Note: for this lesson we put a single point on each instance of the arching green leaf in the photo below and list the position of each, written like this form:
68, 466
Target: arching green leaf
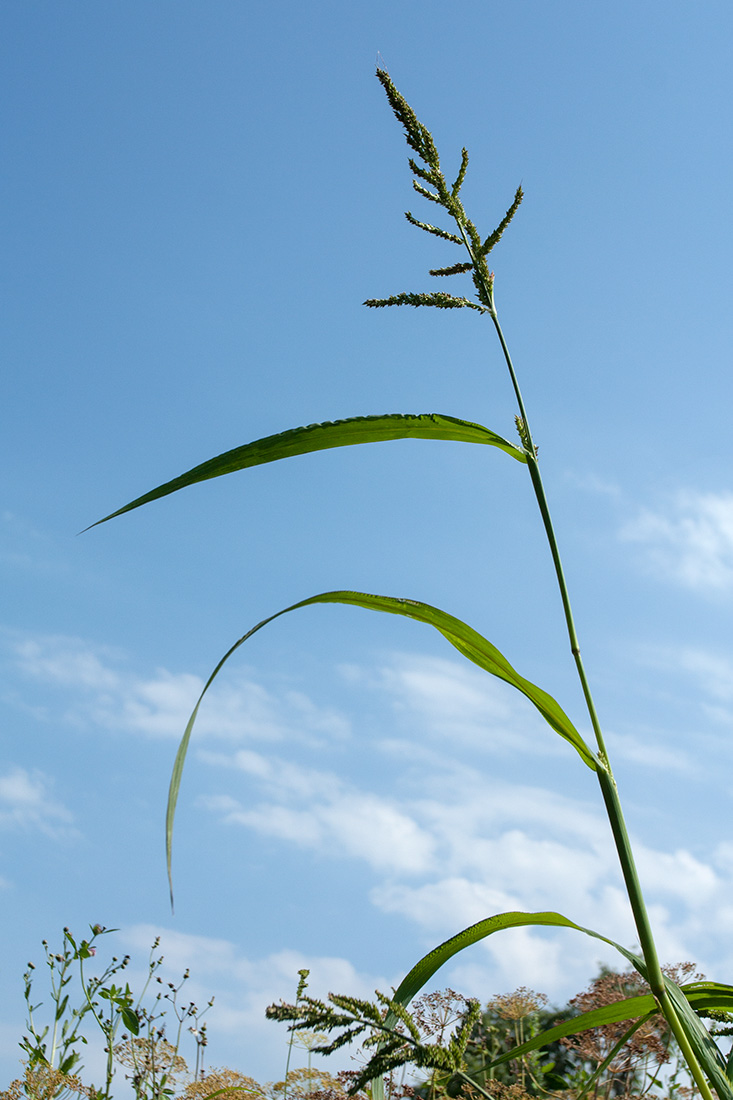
423, 970
628, 1009
321, 437
701, 1041
709, 996
466, 640
699, 995
702, 996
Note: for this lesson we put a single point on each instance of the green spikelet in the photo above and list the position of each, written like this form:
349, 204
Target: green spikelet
434, 229
386, 1029
461, 173
495, 237
440, 301
430, 177
427, 194
457, 269
524, 436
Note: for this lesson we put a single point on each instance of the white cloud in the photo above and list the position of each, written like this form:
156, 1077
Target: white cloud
446, 905
318, 810
26, 802
468, 848
533, 848
591, 483
678, 874
691, 542
712, 675
103, 692
712, 670
652, 754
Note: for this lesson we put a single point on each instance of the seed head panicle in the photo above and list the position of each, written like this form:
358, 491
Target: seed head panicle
431, 184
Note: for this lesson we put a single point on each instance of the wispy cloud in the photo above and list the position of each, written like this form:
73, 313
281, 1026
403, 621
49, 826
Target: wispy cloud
653, 754
691, 541
320, 811
532, 847
467, 848
713, 671
26, 802
100, 691
709, 672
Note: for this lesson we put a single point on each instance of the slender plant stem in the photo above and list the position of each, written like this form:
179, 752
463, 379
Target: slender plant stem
603, 771
302, 986
56, 997
606, 779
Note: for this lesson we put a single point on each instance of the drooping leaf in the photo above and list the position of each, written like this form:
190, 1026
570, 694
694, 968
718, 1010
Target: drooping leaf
424, 970
628, 1009
709, 996
703, 1045
466, 640
321, 437
702, 996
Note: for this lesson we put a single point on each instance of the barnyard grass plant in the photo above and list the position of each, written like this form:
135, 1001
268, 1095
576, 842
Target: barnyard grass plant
680, 1005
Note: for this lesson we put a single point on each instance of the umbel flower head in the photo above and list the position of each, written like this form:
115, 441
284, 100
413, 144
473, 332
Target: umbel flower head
430, 182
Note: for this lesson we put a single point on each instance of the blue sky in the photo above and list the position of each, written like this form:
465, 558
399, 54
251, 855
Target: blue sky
197, 200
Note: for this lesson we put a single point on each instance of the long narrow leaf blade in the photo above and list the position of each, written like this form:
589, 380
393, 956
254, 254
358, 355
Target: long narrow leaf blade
701, 1041
628, 1009
477, 649
466, 640
321, 437
709, 996
702, 996
423, 970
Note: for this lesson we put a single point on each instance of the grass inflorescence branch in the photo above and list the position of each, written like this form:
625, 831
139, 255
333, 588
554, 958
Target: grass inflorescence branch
437, 299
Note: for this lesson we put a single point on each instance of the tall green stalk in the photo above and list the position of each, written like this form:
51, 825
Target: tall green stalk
606, 780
